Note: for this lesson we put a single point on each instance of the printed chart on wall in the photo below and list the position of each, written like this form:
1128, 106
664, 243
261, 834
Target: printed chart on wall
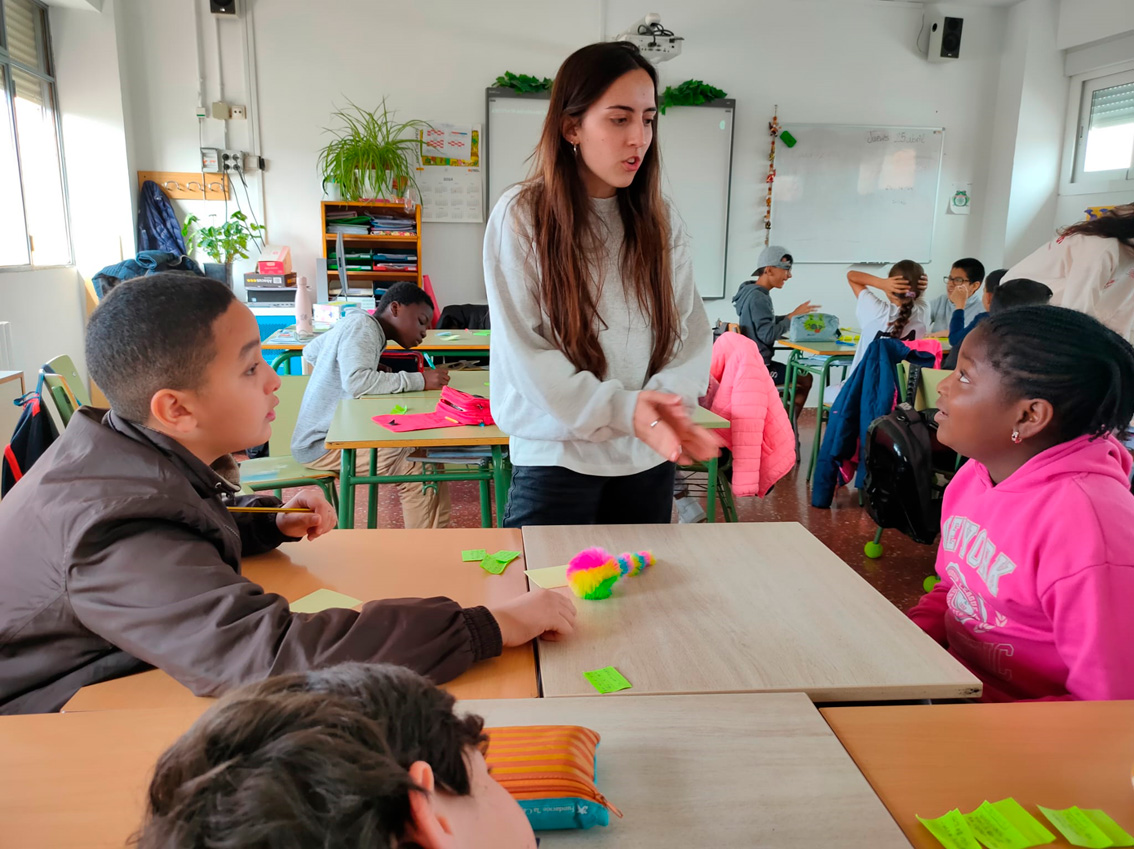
449, 178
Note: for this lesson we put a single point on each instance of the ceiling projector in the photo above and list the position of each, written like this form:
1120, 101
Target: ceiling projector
657, 43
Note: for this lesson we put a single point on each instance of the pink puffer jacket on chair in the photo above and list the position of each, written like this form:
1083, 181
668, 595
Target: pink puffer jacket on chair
761, 438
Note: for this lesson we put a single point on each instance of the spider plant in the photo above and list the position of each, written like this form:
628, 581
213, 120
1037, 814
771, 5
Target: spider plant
371, 154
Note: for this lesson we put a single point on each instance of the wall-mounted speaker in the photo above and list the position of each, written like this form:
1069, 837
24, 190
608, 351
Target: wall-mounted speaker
222, 7
944, 36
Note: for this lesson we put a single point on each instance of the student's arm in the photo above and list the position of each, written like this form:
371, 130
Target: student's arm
929, 613
164, 595
957, 328
1094, 631
590, 409
258, 531
358, 354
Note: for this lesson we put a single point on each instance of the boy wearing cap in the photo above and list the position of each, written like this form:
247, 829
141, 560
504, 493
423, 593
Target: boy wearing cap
758, 319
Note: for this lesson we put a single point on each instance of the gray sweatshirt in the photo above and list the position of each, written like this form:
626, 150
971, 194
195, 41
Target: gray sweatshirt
941, 310
757, 318
345, 363
556, 415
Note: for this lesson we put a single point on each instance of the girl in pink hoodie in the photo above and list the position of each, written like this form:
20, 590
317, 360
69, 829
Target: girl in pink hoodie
1037, 533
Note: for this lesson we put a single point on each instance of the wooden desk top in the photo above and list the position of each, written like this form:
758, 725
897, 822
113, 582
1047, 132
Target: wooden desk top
929, 759
368, 565
6, 376
818, 349
727, 771
460, 340
740, 608
750, 770
352, 425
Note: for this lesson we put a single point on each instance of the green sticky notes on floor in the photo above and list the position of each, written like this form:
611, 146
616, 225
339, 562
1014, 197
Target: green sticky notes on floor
1031, 828
609, 680
321, 600
1109, 827
506, 557
951, 831
787, 138
397, 410
548, 577
1077, 827
995, 830
473, 555
493, 566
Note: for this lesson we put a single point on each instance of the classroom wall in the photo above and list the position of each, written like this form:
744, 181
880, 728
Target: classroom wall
1084, 21
46, 309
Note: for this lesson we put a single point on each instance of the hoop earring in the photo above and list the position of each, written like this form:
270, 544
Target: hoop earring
1016, 437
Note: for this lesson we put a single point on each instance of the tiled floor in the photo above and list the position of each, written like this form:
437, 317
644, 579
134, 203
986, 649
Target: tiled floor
844, 528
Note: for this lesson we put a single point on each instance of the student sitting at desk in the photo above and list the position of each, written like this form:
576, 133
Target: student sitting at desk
119, 550
962, 291
346, 365
354, 756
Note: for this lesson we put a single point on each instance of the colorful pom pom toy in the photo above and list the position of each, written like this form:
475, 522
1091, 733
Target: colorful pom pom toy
592, 573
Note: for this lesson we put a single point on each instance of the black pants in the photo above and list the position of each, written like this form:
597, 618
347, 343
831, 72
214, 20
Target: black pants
552, 495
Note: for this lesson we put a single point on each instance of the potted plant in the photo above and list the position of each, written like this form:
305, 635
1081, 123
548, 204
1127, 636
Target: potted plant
222, 243
372, 156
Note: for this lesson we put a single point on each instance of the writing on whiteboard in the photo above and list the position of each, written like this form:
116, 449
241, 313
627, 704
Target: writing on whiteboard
898, 137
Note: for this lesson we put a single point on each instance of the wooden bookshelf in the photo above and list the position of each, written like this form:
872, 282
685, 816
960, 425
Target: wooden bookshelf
394, 240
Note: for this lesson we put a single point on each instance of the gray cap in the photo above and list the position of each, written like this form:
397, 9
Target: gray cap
775, 256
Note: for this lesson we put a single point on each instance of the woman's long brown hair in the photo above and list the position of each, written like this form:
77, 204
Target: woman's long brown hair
566, 241
1117, 223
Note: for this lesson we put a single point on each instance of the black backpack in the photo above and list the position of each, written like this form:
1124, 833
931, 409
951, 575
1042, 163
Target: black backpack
907, 470
35, 431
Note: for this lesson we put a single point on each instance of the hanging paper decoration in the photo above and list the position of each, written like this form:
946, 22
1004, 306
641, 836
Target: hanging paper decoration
773, 131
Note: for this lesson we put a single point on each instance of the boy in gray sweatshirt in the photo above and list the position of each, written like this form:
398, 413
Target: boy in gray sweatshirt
345, 362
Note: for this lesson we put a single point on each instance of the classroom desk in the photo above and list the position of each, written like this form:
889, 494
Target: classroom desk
352, 429
720, 771
368, 565
748, 607
447, 343
8, 376
739, 770
929, 759
836, 355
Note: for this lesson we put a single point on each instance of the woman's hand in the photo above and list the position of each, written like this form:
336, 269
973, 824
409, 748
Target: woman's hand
311, 525
660, 421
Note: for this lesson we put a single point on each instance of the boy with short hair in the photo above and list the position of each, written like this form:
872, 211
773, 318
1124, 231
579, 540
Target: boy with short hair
998, 296
119, 551
353, 756
345, 363
962, 291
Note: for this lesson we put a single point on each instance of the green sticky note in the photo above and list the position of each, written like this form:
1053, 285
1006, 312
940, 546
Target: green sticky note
951, 831
994, 830
1109, 827
608, 680
482, 333
506, 557
492, 565
787, 138
397, 410
321, 600
1077, 827
473, 555
1032, 829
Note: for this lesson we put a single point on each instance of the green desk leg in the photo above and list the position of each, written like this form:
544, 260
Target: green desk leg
711, 491
346, 490
485, 505
789, 384
500, 482
372, 491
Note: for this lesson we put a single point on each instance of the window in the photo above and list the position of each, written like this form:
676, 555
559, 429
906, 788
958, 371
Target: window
33, 218
1104, 140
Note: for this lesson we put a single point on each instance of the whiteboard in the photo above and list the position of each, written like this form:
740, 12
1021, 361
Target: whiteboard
857, 193
696, 147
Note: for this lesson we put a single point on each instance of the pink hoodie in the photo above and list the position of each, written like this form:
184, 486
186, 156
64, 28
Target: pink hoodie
1037, 575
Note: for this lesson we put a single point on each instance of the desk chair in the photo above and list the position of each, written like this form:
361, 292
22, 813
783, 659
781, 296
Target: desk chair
65, 368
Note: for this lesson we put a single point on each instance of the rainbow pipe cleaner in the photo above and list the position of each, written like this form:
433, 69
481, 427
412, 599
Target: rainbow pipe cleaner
592, 573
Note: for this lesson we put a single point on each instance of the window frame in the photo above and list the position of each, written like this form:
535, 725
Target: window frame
1072, 179
47, 76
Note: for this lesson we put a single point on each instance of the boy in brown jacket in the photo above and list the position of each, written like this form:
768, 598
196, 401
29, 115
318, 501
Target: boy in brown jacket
118, 550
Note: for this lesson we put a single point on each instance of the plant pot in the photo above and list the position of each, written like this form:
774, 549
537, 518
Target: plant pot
219, 271
331, 190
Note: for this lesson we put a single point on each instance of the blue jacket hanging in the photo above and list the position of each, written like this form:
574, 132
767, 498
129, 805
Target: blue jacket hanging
158, 229
144, 264
868, 393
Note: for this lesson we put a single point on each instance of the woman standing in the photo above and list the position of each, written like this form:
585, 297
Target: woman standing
1090, 268
600, 343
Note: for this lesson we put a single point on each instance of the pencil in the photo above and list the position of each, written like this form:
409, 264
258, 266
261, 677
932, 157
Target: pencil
270, 510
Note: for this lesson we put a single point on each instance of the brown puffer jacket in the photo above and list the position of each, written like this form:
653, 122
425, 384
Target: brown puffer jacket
117, 552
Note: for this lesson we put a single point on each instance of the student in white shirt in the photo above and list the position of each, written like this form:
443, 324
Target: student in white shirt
600, 342
1090, 268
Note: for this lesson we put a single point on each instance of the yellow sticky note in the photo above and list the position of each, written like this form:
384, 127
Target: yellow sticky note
323, 600
951, 831
549, 577
1077, 827
1109, 827
994, 830
1025, 823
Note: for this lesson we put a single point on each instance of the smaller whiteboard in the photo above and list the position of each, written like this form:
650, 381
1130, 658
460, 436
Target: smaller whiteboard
857, 193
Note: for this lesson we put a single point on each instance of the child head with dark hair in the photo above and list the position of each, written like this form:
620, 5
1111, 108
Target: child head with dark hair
355, 757
991, 282
915, 277
405, 312
1020, 292
178, 353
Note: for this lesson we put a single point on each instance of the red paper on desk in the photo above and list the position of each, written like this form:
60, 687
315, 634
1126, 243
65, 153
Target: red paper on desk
455, 409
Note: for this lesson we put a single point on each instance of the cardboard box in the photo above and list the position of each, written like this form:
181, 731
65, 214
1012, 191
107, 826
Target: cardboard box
332, 312
258, 280
275, 259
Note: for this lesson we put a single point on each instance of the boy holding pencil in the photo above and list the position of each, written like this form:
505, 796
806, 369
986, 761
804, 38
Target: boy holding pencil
120, 553
345, 364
